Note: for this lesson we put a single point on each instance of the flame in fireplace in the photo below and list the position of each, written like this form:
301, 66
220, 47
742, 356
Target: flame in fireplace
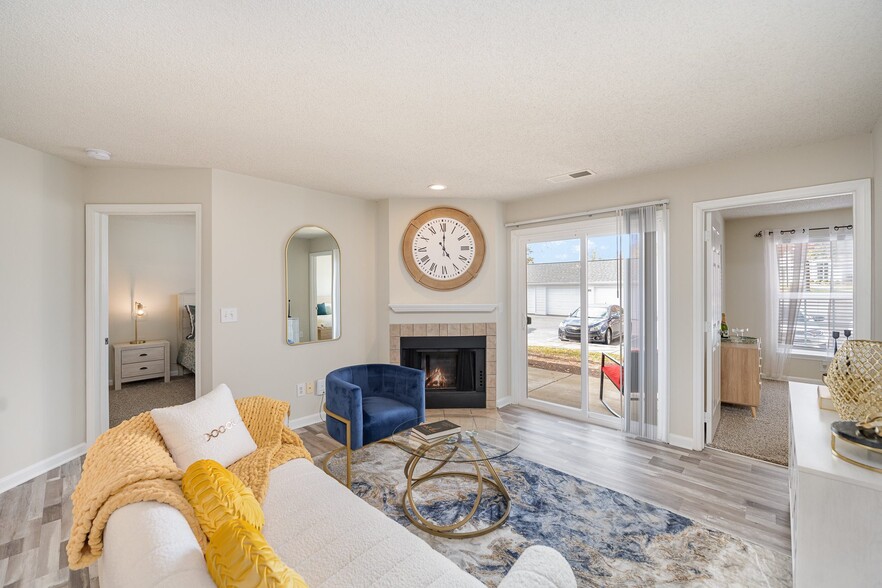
436, 379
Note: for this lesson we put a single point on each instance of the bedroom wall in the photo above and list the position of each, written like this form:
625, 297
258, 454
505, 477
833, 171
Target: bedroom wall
151, 259
121, 185
848, 158
252, 220
42, 359
744, 261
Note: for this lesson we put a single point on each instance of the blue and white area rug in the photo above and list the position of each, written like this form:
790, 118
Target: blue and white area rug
609, 538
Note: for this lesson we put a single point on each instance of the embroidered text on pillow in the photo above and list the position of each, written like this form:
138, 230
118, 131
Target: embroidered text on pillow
218, 431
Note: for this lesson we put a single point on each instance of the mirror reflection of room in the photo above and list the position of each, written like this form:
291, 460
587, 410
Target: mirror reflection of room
312, 266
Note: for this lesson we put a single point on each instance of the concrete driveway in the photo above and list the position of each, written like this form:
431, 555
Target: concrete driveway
543, 332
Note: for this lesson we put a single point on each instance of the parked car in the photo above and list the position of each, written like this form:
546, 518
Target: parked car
604, 324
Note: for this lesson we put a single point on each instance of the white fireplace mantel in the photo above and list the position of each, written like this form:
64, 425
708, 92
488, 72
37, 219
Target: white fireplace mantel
441, 308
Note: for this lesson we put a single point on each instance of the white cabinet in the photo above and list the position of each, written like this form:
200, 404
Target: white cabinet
835, 507
140, 361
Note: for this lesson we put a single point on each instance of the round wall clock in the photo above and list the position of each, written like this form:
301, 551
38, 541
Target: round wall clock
443, 248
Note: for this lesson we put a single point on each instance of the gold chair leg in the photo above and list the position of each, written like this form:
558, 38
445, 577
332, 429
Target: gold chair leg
347, 447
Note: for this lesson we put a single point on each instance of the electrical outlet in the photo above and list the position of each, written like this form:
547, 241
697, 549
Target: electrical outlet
301, 389
320, 386
310, 387
229, 315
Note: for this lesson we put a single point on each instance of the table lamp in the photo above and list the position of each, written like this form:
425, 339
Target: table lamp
140, 313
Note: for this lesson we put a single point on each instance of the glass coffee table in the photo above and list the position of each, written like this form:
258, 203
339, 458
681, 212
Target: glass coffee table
479, 442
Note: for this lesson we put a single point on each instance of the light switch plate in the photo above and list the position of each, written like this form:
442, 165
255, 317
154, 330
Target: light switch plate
229, 315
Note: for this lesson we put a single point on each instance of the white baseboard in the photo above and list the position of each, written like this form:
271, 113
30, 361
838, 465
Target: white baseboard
41, 467
680, 441
305, 421
504, 401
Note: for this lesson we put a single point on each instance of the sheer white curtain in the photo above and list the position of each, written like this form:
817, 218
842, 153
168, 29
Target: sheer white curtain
643, 239
785, 263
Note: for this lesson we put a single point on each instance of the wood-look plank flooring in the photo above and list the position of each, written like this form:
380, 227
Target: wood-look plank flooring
739, 495
35, 521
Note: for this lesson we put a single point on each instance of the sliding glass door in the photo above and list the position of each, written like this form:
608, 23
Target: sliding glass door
553, 266
584, 293
573, 322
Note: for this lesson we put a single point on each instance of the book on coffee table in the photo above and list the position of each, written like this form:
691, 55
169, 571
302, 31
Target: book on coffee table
436, 430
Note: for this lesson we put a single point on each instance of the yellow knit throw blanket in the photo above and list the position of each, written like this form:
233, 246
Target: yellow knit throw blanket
130, 463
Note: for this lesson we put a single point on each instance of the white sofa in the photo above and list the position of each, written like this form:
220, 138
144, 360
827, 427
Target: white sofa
318, 527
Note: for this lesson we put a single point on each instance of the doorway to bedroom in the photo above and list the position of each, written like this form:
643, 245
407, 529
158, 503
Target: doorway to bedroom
143, 292
151, 276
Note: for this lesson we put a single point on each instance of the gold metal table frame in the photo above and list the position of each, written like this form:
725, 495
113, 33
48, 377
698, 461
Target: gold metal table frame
451, 531
834, 436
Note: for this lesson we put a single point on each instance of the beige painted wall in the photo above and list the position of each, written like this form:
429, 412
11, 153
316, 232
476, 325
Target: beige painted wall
489, 287
252, 219
118, 185
745, 276
298, 283
877, 230
42, 358
151, 259
848, 158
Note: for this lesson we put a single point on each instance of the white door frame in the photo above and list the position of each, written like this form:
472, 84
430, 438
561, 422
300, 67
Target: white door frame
97, 308
861, 195
571, 230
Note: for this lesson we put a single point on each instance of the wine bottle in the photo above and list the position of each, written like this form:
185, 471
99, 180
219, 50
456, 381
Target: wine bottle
724, 328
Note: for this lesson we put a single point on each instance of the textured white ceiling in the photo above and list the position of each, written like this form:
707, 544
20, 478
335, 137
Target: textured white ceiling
382, 98
795, 207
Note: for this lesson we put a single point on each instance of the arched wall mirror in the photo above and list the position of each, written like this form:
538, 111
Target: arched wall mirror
312, 286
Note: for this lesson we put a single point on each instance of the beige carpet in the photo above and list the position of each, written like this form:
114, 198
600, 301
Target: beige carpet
765, 437
138, 397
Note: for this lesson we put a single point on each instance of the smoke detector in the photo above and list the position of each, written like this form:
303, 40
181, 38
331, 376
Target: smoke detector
99, 154
582, 173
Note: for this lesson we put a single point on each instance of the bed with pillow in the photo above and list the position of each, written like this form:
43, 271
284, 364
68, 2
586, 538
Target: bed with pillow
324, 318
187, 331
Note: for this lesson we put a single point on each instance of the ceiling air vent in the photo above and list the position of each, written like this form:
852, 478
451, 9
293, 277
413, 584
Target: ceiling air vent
582, 173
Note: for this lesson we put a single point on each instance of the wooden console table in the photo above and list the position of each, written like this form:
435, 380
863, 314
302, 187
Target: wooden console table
740, 374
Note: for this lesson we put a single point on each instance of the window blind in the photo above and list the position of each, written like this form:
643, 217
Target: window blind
816, 290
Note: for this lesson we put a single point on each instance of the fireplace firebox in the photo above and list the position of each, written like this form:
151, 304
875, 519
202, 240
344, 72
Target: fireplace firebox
455, 369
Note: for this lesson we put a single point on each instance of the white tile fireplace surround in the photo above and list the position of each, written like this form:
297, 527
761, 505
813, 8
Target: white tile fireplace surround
397, 331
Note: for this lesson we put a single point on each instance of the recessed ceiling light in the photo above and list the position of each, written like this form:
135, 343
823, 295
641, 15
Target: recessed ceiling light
437, 187
99, 154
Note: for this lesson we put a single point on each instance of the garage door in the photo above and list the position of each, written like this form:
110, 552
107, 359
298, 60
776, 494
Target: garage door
531, 299
562, 300
603, 295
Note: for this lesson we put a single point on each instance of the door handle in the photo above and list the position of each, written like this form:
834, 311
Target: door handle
529, 320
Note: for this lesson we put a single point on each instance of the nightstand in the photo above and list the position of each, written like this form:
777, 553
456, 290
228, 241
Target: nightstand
140, 361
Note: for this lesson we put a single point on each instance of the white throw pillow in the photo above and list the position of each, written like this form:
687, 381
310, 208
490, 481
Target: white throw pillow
210, 427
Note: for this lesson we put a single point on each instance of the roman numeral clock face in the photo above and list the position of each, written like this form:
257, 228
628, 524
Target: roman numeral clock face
443, 248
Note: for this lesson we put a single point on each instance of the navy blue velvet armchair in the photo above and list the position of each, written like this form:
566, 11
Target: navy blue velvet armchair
367, 403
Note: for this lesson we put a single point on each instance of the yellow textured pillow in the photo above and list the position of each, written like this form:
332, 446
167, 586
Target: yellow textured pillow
217, 496
238, 556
